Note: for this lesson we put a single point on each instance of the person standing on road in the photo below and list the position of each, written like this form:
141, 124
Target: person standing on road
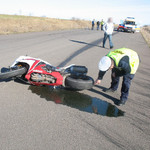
93, 24
98, 23
108, 30
102, 23
123, 62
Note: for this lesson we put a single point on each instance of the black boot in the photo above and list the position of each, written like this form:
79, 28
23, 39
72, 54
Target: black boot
109, 90
121, 102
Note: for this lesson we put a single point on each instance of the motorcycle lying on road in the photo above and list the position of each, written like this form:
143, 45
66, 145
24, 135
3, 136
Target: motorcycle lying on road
38, 72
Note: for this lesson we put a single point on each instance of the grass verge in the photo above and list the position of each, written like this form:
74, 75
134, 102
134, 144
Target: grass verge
146, 34
10, 24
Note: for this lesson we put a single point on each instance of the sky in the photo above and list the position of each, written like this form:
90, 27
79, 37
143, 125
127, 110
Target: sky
81, 9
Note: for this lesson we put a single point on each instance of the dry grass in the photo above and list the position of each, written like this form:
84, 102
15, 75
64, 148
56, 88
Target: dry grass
20, 24
146, 34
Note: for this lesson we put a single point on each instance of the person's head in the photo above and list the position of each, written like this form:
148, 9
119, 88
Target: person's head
110, 20
105, 63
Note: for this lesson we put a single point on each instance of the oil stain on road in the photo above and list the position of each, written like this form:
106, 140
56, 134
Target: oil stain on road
77, 100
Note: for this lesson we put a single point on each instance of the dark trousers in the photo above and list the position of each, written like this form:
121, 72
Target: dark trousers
110, 39
125, 85
92, 26
101, 27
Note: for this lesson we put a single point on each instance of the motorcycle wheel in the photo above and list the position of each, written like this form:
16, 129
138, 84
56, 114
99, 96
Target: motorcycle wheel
13, 72
83, 83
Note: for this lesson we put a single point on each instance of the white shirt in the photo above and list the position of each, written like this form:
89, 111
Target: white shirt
108, 28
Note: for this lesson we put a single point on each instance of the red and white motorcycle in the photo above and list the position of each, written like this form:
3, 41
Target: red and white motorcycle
38, 72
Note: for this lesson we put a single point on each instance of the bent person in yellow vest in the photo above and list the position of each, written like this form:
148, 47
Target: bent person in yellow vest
123, 62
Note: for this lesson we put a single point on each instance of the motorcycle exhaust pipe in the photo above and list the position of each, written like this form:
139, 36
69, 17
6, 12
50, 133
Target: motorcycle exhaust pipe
79, 69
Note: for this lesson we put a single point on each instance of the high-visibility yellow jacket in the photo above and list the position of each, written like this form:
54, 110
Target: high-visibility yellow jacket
118, 54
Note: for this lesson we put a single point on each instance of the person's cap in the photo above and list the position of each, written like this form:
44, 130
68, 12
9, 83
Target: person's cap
104, 63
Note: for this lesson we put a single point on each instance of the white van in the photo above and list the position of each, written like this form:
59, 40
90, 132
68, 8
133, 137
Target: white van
129, 24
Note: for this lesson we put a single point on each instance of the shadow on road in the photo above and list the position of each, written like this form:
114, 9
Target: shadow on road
85, 48
81, 42
76, 53
115, 100
77, 100
5, 80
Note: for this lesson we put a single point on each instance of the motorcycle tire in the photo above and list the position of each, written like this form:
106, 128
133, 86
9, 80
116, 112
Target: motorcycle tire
79, 83
13, 72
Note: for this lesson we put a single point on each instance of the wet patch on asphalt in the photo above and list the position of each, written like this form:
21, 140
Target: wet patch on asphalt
77, 100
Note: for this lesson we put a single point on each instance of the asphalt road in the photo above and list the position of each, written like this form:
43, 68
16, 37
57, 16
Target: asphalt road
31, 117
